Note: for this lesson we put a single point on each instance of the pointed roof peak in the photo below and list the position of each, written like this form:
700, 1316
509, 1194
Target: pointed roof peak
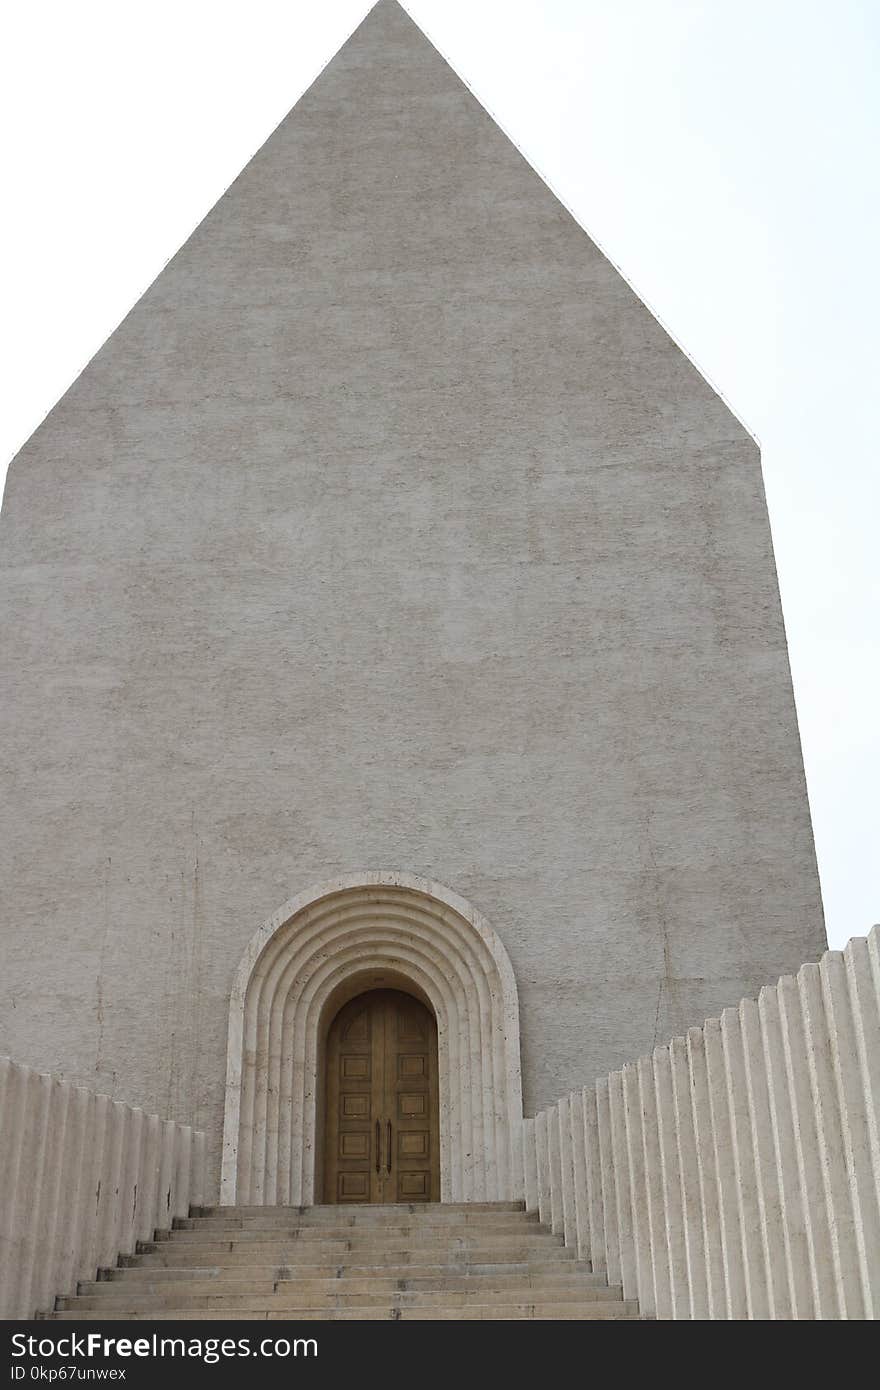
389, 207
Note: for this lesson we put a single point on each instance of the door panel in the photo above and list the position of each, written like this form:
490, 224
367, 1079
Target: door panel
351, 1107
382, 1132
408, 1074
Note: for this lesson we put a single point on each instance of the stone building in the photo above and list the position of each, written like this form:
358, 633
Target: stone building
397, 720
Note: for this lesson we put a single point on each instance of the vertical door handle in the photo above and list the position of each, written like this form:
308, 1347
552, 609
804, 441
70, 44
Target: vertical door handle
378, 1146
389, 1147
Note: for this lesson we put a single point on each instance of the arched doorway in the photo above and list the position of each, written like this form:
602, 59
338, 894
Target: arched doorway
369, 930
380, 1101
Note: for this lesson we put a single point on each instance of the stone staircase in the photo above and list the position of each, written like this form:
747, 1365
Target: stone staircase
332, 1262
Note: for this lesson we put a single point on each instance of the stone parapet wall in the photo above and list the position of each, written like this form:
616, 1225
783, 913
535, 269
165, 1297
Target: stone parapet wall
735, 1172
83, 1179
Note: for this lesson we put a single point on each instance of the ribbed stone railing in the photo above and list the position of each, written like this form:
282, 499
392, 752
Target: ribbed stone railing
82, 1178
734, 1173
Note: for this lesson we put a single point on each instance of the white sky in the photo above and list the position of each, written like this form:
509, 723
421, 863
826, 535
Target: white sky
724, 154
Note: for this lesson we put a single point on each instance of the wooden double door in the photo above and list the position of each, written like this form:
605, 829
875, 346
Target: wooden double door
382, 1131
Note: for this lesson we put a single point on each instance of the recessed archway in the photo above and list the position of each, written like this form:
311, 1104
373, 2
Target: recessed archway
327, 945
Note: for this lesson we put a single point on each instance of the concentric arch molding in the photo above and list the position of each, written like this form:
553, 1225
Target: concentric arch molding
301, 965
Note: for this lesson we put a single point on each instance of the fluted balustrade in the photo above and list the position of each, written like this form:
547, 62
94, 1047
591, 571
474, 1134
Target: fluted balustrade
82, 1179
734, 1173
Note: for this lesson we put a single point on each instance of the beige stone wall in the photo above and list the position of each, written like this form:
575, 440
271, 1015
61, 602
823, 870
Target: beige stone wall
390, 531
82, 1178
734, 1172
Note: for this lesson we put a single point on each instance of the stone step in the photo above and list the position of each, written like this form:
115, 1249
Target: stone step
396, 1272
404, 1258
385, 1240
484, 1311
442, 1211
283, 1297
352, 1237
324, 1230
354, 1240
338, 1248
155, 1279
289, 1220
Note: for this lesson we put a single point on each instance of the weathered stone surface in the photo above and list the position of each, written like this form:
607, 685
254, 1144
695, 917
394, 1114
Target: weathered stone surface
477, 1261
390, 531
740, 1173
83, 1179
